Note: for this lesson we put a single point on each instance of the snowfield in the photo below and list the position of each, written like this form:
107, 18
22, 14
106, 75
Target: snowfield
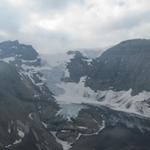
121, 101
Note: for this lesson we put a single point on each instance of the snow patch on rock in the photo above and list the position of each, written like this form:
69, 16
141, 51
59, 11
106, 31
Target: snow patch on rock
8, 59
20, 133
65, 145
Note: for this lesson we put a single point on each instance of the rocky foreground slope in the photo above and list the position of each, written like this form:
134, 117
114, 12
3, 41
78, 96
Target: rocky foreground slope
59, 106
24, 99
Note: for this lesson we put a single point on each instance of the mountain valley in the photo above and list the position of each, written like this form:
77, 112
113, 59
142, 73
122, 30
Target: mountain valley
76, 100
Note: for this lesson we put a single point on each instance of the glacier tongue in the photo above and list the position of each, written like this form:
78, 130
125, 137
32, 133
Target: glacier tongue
77, 93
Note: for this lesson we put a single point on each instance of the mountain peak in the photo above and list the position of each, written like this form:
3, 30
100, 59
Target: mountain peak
135, 41
14, 48
10, 42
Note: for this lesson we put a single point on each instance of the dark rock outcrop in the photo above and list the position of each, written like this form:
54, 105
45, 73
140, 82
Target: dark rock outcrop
122, 67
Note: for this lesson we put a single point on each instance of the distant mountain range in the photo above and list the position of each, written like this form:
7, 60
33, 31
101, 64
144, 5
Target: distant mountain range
79, 100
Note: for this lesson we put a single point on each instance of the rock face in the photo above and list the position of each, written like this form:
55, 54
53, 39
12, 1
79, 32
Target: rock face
122, 67
14, 48
77, 67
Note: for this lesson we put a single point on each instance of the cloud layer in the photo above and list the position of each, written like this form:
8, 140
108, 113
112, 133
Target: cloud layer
59, 25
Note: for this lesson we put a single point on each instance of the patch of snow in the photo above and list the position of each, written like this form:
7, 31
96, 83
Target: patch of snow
36, 96
9, 130
101, 127
18, 55
8, 59
45, 125
8, 146
30, 116
30, 71
67, 73
20, 133
29, 61
89, 61
64, 131
78, 137
65, 145
81, 127
27, 74
17, 141
14, 47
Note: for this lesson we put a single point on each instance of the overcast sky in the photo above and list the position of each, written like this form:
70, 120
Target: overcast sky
59, 25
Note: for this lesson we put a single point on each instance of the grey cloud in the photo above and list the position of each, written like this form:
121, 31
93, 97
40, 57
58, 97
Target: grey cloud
131, 21
56, 4
78, 26
8, 19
